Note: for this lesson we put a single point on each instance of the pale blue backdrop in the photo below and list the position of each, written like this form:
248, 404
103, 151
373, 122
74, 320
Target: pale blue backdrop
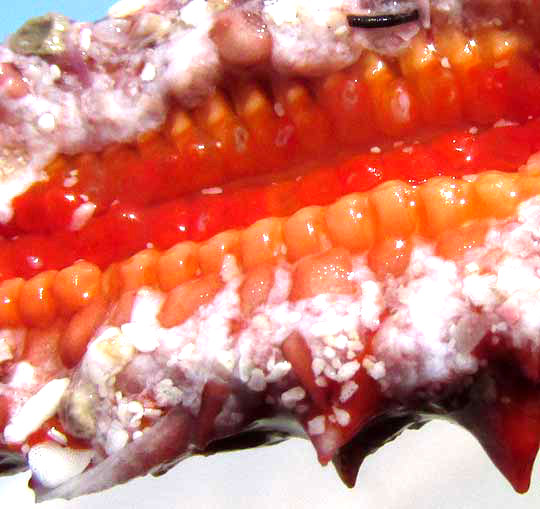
13, 14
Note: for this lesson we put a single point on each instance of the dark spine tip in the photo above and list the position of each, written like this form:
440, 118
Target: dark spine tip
382, 20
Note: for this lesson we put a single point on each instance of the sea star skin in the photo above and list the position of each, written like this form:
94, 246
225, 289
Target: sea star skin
399, 376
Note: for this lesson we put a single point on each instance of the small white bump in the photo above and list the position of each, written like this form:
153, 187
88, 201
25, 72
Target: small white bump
336, 363
293, 396
23, 375
376, 370
81, 215
279, 110
34, 262
57, 436
167, 394
347, 371
257, 381
504, 123
117, 438
318, 365
143, 337
212, 190
46, 122
317, 425
152, 412
226, 359
187, 352
56, 72
70, 181
347, 391
279, 370
329, 353
343, 417
282, 12
195, 12
86, 39
149, 72
6, 353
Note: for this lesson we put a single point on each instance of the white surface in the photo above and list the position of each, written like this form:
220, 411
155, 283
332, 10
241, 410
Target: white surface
439, 467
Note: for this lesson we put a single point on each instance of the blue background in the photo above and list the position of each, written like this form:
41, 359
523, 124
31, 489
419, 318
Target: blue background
14, 14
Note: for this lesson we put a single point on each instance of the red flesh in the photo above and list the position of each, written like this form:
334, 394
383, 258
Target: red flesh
128, 228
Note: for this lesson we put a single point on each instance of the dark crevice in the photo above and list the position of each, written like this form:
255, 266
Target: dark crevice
382, 20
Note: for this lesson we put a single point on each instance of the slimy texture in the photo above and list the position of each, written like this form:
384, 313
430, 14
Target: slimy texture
444, 210
225, 216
